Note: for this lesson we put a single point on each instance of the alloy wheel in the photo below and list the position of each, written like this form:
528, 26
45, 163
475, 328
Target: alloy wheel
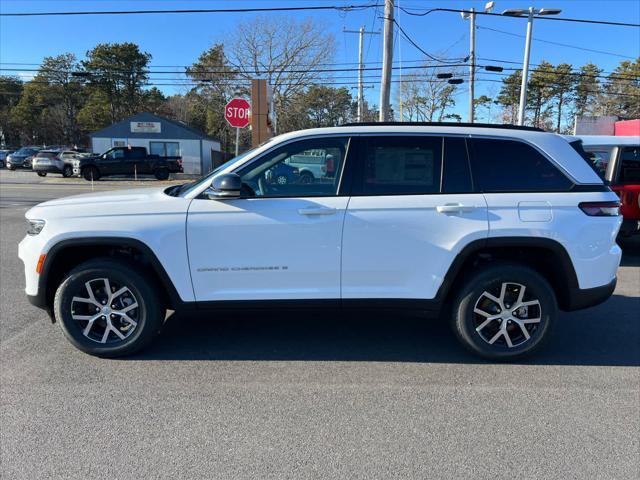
507, 315
109, 313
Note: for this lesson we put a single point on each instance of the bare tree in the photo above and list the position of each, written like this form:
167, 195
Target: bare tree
285, 51
426, 98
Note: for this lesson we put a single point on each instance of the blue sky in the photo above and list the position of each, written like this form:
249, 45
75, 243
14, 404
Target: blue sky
175, 40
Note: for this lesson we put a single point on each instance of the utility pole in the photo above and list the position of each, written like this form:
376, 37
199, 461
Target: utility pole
387, 61
527, 51
471, 16
361, 32
472, 64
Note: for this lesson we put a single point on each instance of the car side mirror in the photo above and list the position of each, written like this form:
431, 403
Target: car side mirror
227, 185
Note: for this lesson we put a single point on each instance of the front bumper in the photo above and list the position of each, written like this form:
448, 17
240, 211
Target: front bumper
18, 164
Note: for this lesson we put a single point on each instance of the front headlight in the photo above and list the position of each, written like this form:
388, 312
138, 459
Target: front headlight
34, 227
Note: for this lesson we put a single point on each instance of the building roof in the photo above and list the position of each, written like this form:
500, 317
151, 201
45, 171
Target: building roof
169, 129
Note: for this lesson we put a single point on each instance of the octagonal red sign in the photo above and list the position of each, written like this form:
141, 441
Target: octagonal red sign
237, 112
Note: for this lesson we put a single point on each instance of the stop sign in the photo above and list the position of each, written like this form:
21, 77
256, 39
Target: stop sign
236, 112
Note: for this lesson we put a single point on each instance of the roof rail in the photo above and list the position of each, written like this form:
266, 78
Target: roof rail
442, 124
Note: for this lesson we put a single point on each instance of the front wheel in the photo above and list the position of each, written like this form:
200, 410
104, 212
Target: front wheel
42, 174
504, 312
107, 309
67, 171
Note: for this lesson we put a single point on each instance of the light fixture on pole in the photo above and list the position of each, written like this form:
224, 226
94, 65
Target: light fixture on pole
531, 12
471, 16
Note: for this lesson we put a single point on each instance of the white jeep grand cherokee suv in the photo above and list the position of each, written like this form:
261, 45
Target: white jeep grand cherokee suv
495, 227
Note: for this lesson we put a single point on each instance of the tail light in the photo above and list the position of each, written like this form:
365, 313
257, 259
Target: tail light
600, 209
329, 165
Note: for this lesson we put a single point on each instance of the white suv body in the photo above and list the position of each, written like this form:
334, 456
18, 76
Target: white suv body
413, 215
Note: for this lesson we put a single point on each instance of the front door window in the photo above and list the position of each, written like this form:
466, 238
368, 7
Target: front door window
307, 168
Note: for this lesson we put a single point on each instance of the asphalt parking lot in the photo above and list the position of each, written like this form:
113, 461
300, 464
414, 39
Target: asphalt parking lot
311, 395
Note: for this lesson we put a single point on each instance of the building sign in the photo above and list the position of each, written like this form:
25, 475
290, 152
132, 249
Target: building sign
145, 127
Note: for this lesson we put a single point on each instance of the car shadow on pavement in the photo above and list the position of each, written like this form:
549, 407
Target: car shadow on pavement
589, 337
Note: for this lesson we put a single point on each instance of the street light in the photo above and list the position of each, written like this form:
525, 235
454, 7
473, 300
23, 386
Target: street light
527, 50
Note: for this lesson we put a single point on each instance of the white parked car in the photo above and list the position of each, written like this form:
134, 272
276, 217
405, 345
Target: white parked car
495, 229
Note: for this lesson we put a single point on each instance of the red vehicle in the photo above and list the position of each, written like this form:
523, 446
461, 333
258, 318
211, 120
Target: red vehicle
617, 160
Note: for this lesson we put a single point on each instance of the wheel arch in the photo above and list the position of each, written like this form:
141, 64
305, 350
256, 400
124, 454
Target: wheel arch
546, 256
67, 254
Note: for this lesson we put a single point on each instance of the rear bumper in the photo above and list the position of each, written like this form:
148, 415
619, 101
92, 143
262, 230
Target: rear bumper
46, 168
580, 298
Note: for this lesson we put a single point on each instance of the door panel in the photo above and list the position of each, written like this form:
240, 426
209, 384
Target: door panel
401, 246
265, 248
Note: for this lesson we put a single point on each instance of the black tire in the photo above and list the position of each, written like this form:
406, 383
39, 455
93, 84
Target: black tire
306, 177
161, 174
12, 168
42, 174
91, 173
472, 294
149, 313
67, 171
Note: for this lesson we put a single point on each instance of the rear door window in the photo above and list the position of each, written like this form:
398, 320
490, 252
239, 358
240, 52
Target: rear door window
400, 165
456, 174
630, 165
513, 166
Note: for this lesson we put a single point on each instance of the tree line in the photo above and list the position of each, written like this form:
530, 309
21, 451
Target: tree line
68, 98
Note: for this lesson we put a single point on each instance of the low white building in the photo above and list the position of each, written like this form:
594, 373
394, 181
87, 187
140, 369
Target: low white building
160, 136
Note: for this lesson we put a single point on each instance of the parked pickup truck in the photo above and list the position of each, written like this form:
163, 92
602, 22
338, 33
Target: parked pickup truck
126, 161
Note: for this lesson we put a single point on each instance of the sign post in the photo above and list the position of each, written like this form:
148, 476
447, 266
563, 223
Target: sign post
236, 113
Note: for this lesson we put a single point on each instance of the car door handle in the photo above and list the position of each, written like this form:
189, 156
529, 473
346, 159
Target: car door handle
455, 208
316, 211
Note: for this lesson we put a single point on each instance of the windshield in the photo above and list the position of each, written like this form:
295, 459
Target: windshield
187, 187
26, 151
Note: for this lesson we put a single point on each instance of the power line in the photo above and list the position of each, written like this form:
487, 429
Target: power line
557, 43
557, 19
345, 8
424, 52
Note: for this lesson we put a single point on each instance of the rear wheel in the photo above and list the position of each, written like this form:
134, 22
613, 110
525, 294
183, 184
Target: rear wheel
306, 177
67, 171
42, 174
107, 309
91, 173
504, 312
161, 174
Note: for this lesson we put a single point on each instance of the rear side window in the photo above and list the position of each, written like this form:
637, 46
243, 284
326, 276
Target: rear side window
512, 166
401, 165
596, 159
456, 176
630, 165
